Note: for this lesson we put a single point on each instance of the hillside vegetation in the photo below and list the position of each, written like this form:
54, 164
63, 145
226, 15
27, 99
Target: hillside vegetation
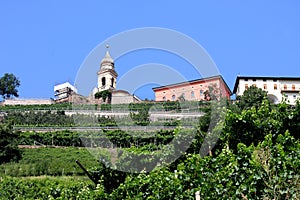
256, 155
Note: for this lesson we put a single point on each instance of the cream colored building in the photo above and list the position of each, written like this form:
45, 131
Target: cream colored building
278, 88
107, 75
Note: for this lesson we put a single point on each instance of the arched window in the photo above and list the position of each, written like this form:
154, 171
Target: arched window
192, 94
112, 82
103, 81
173, 97
201, 92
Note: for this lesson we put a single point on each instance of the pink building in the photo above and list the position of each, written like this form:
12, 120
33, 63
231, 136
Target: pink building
195, 90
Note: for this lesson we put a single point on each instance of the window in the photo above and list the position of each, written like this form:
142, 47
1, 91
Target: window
275, 86
164, 98
201, 92
192, 94
294, 96
285, 87
246, 86
103, 81
112, 82
173, 97
293, 87
265, 86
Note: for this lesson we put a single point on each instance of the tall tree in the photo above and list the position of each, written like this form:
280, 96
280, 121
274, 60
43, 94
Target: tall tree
8, 85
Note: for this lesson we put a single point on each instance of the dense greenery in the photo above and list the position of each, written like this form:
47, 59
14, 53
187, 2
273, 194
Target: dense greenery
103, 95
167, 106
9, 150
49, 188
89, 138
266, 171
257, 156
253, 96
49, 161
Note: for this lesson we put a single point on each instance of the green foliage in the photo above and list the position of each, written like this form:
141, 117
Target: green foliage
110, 178
213, 93
9, 150
49, 188
88, 138
253, 96
226, 176
56, 138
8, 85
60, 106
141, 118
39, 118
49, 161
103, 94
257, 156
252, 125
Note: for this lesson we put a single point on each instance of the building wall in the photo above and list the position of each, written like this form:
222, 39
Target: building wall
27, 101
123, 97
278, 88
108, 83
192, 91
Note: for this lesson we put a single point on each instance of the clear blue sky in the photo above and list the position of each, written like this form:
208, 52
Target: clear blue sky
44, 42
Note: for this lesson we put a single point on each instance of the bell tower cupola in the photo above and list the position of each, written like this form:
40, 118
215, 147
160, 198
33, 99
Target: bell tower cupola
107, 76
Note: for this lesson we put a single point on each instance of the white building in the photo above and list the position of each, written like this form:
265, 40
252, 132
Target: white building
278, 88
63, 92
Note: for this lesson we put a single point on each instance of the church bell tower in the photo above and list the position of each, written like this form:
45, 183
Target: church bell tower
107, 76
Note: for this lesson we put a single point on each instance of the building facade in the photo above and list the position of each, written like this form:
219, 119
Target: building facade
195, 90
278, 88
123, 97
64, 92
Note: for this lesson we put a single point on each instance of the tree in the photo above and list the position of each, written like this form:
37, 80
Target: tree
253, 96
213, 93
8, 85
8, 144
142, 117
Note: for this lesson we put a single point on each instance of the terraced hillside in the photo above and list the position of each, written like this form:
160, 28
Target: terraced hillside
253, 153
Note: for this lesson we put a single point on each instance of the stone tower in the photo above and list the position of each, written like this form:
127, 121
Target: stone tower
107, 76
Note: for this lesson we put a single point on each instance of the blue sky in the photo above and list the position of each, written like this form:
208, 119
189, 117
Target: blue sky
45, 42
